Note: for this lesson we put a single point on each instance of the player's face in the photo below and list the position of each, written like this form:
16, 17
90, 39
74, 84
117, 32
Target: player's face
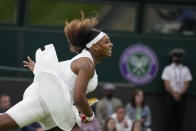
104, 47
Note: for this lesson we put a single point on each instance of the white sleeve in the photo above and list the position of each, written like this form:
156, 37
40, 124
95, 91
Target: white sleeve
165, 75
188, 76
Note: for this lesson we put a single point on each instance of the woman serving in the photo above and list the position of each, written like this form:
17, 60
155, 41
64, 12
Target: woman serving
58, 86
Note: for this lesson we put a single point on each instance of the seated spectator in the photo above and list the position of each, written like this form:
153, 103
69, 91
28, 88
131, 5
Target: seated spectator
91, 126
138, 110
5, 103
123, 123
33, 127
37, 126
108, 104
137, 126
109, 125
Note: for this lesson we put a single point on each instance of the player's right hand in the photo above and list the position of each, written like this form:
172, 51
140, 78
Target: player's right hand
86, 119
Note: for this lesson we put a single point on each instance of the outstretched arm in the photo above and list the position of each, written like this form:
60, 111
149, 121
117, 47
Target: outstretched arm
84, 68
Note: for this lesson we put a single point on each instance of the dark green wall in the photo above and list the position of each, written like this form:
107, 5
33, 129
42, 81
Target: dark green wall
17, 44
161, 46
8, 47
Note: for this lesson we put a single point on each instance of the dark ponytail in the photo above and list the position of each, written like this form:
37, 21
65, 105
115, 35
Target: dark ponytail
81, 31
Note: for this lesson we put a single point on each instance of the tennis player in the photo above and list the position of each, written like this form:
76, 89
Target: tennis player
59, 89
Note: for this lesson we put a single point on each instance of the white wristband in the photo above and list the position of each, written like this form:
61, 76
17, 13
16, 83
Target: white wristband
91, 117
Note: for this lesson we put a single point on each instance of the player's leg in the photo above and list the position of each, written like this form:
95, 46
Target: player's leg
24, 113
6, 122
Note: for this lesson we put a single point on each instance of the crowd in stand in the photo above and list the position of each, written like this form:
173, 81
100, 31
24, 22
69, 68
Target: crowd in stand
112, 115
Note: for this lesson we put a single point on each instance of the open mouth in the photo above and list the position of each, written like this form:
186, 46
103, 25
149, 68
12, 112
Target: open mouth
110, 51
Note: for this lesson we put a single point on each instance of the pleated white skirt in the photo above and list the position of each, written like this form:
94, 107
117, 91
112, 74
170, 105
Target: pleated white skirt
48, 99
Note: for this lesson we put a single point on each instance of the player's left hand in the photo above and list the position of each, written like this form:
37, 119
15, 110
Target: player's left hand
30, 64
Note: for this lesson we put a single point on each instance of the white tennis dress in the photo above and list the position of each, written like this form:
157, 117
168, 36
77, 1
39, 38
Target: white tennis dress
49, 99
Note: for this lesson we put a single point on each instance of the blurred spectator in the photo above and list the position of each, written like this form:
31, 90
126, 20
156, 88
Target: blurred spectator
91, 126
37, 126
33, 127
109, 125
108, 104
137, 126
137, 110
39, 129
176, 78
123, 123
5, 103
184, 17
